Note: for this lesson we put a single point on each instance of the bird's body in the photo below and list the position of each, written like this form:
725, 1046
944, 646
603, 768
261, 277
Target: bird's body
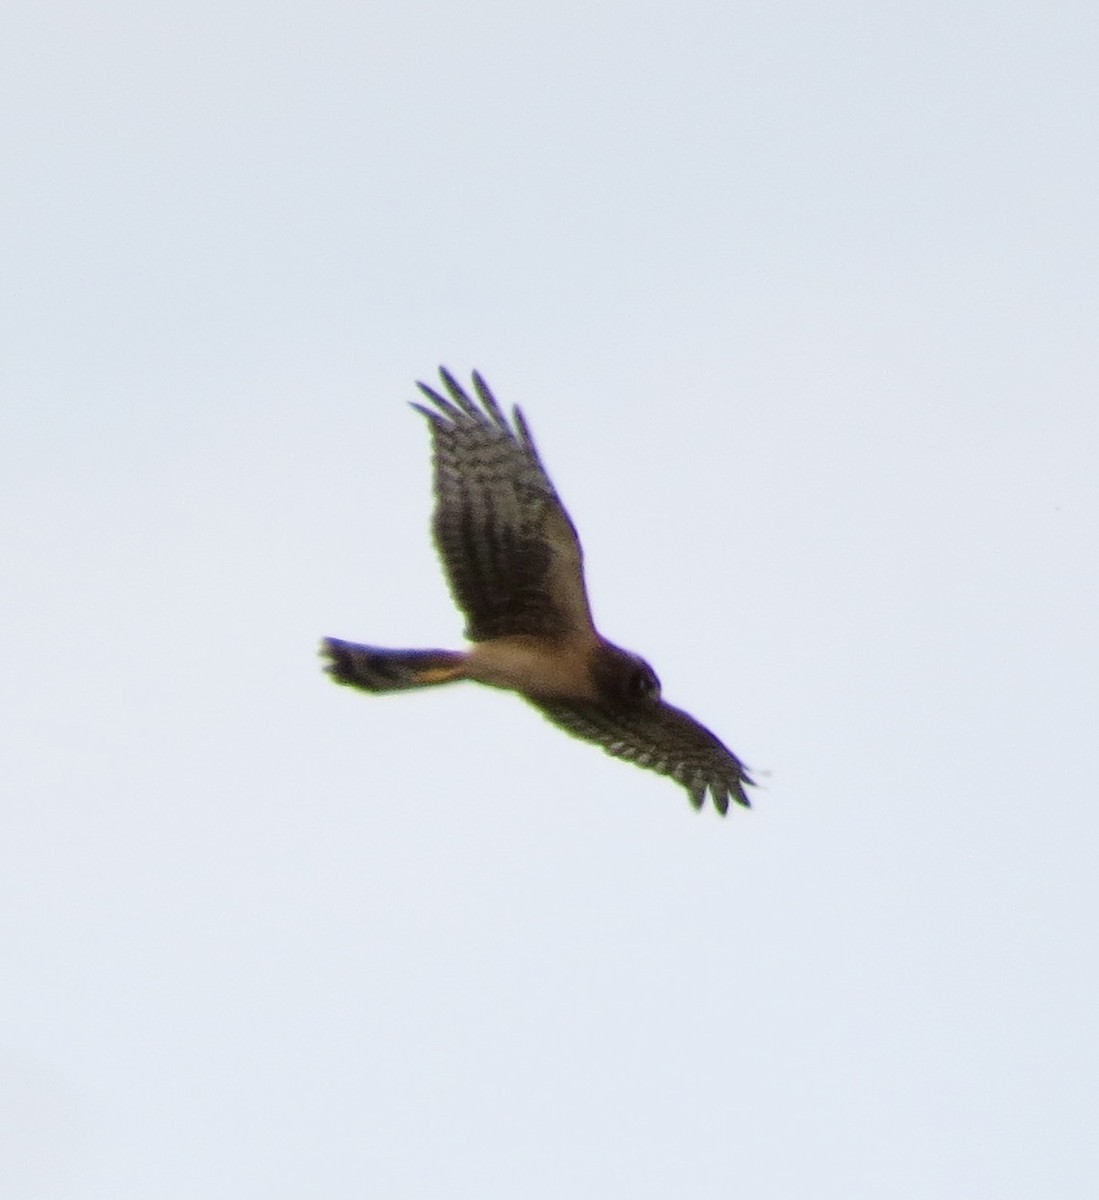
515, 568
519, 662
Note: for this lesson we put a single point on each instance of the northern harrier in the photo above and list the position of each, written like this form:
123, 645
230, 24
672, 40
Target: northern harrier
515, 568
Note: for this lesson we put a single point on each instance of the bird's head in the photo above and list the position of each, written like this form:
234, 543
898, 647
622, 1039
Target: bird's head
624, 677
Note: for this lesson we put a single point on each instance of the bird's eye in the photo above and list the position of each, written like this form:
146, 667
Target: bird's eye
644, 683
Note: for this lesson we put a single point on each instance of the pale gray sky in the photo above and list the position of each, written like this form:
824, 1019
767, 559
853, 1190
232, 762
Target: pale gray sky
801, 302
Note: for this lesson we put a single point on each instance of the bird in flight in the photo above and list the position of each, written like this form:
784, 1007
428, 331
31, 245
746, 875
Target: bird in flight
515, 568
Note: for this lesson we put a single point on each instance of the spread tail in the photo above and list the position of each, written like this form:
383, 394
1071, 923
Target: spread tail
374, 669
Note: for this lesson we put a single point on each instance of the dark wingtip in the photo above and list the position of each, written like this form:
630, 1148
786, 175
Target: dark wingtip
526, 438
733, 790
452, 385
436, 398
484, 394
434, 417
458, 395
456, 406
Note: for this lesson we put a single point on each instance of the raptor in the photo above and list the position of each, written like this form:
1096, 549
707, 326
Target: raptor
515, 568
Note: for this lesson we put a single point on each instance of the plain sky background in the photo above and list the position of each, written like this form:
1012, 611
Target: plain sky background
802, 303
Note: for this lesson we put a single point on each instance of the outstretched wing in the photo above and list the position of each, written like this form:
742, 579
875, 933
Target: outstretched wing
510, 552
662, 739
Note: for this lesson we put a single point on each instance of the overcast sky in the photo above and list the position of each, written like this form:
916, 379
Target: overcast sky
802, 304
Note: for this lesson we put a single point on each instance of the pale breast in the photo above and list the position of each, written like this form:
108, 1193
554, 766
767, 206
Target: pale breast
535, 666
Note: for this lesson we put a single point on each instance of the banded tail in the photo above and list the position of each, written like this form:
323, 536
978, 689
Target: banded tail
374, 669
